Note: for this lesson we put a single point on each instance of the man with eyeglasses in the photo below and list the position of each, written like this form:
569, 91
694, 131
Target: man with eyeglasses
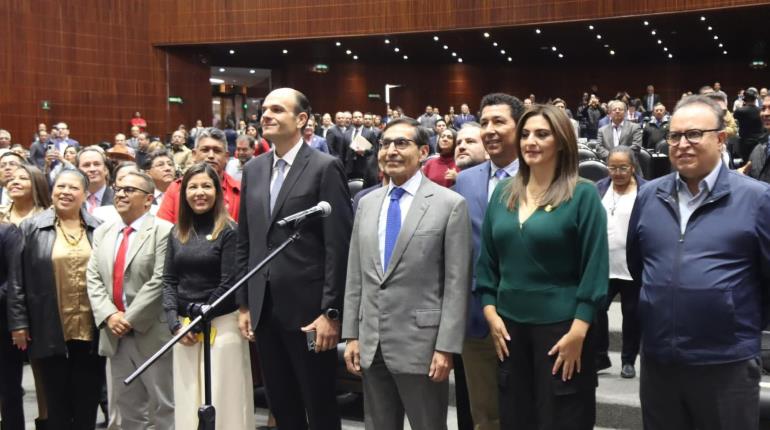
618, 131
406, 295
161, 168
125, 286
9, 162
62, 139
699, 243
758, 166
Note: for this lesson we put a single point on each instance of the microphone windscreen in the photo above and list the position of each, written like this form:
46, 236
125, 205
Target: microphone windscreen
326, 208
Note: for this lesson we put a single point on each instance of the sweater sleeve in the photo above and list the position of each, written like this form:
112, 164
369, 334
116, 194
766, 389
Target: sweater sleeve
170, 285
487, 267
594, 252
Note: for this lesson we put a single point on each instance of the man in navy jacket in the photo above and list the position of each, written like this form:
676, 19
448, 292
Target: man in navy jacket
699, 242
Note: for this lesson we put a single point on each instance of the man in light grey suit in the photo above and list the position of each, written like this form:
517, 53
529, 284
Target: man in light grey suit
618, 131
406, 296
125, 288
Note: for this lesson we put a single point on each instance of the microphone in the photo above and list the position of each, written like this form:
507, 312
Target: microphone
322, 209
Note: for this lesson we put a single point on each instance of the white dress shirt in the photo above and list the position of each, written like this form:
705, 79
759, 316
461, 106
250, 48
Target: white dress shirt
410, 187
288, 158
136, 225
618, 208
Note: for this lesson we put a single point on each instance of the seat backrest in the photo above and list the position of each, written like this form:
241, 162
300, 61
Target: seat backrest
645, 162
594, 170
355, 185
586, 154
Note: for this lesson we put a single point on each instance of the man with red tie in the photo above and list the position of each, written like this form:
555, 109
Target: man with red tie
125, 289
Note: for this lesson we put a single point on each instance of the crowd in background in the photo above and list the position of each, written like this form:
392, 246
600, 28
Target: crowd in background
68, 210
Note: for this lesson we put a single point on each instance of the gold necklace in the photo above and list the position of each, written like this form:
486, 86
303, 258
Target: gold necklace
71, 240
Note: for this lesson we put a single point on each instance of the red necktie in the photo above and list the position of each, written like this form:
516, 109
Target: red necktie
117, 272
91, 203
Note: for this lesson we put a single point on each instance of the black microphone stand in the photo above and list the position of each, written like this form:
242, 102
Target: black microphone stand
206, 413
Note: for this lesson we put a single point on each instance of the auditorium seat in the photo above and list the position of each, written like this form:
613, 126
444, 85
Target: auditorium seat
355, 185
586, 154
645, 163
594, 170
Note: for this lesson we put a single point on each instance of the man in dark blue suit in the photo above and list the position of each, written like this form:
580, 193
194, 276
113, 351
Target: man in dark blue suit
499, 114
465, 116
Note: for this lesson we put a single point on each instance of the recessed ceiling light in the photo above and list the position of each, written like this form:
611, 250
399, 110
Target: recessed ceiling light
216, 81
721, 45
665, 49
221, 69
387, 41
494, 43
459, 60
561, 55
660, 42
510, 59
553, 48
653, 32
598, 36
724, 52
355, 57
703, 18
710, 28
446, 47
232, 51
612, 52
590, 27
486, 35
606, 45
537, 30
454, 54
406, 57
646, 23
348, 52
396, 49
670, 56
435, 38
285, 51
252, 71
716, 37
338, 44
502, 51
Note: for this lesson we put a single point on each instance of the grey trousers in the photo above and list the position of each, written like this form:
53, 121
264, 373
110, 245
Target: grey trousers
388, 396
148, 402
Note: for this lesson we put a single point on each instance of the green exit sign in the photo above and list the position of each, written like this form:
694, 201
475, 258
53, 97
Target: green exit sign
177, 100
45, 105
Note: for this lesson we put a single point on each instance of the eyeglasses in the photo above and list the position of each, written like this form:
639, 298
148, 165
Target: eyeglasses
128, 190
693, 136
621, 169
401, 143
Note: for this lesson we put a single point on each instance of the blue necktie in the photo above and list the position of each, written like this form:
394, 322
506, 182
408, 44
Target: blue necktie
393, 224
276, 188
501, 174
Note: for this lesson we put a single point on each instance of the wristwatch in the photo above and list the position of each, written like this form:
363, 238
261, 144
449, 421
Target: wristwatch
332, 313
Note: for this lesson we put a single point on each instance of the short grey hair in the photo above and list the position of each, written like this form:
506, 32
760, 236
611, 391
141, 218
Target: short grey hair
470, 124
149, 184
703, 101
212, 133
620, 103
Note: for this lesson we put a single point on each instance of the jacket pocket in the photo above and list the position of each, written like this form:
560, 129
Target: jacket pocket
705, 310
428, 317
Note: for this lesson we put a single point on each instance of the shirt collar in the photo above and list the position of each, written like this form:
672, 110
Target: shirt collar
99, 193
511, 169
706, 183
410, 186
622, 123
290, 155
136, 225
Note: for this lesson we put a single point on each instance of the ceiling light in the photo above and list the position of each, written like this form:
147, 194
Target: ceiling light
502, 51
454, 54
387, 41
494, 43
459, 60
446, 47
703, 18
721, 45
653, 32
396, 49
285, 51
435, 38
716, 37
646, 23
510, 59
486, 35
537, 30
724, 52
252, 71
553, 48
598, 36
338, 44
660, 42
216, 81
665, 49
606, 45
561, 55
710, 28
355, 57
232, 51
590, 27
348, 52
612, 52
670, 56
406, 57
221, 69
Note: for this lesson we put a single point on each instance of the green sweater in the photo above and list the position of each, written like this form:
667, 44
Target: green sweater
553, 268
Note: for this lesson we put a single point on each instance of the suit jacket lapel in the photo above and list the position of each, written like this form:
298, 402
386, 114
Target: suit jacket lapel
110, 237
419, 205
138, 242
300, 161
373, 228
262, 183
482, 182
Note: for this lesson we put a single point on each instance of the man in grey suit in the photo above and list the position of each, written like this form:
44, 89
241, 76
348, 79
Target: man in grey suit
124, 287
406, 296
618, 131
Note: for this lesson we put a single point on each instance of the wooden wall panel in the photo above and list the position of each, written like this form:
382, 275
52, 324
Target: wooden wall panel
206, 21
346, 86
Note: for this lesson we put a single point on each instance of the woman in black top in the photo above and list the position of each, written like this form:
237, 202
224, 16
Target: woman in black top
11, 358
200, 267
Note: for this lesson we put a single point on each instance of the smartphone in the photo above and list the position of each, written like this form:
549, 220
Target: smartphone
49, 147
310, 336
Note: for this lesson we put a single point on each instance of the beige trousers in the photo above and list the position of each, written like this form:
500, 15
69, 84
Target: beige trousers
480, 361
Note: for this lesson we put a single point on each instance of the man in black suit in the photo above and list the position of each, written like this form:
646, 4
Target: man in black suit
361, 164
338, 137
302, 289
650, 100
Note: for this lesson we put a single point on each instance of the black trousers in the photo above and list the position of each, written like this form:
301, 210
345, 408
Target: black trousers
73, 387
299, 383
464, 418
11, 366
707, 397
629, 301
530, 396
